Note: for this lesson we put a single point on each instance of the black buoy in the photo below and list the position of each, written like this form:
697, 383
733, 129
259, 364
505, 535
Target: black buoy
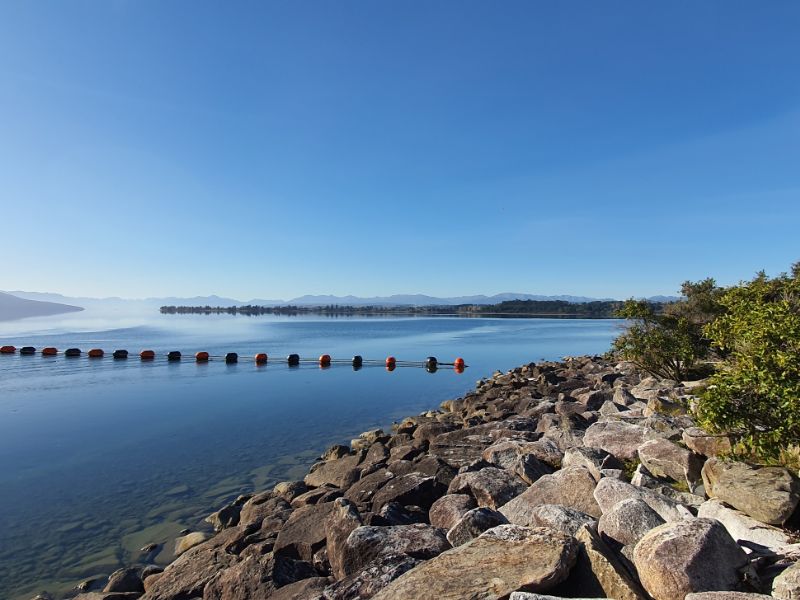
174, 355
431, 362
120, 354
27, 350
358, 361
293, 359
231, 357
72, 352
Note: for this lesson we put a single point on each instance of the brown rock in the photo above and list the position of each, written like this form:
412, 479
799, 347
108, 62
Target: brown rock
372, 578
341, 473
448, 509
125, 580
598, 572
343, 519
768, 494
490, 567
704, 443
365, 544
620, 439
571, 487
667, 460
187, 576
415, 488
304, 533
491, 487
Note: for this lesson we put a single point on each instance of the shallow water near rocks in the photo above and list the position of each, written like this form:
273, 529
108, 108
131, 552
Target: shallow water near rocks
99, 458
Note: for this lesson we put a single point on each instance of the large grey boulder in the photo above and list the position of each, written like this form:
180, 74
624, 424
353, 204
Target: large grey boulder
768, 494
744, 527
473, 523
490, 567
610, 492
696, 555
786, 586
628, 521
667, 460
618, 438
572, 487
491, 487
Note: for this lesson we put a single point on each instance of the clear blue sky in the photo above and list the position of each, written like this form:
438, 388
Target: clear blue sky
272, 149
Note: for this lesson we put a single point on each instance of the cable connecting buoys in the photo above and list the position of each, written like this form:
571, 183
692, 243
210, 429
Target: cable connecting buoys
147, 355
201, 357
8, 350
231, 357
95, 353
261, 358
72, 352
120, 354
27, 351
49, 351
293, 359
358, 361
173, 356
325, 360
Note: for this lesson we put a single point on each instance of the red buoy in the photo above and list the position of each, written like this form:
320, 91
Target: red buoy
49, 351
8, 350
201, 357
147, 355
261, 358
459, 363
96, 353
325, 360
391, 361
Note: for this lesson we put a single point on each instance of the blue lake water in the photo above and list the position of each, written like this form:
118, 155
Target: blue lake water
99, 457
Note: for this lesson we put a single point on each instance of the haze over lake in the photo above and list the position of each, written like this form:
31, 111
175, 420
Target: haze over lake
100, 457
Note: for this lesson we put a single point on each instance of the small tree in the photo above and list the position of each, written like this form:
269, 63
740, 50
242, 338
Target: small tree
665, 345
755, 395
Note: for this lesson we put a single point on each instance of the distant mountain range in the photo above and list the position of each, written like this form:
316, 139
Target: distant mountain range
13, 307
115, 303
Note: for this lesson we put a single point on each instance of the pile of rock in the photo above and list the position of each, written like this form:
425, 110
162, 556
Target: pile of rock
581, 479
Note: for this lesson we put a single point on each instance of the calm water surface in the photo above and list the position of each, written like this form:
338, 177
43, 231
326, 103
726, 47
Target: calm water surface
100, 457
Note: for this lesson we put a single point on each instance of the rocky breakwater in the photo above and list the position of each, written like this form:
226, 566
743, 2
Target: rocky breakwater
581, 479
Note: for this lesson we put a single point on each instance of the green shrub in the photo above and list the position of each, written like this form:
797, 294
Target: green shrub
755, 394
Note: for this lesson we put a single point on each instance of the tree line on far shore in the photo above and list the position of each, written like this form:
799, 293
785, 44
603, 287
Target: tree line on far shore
600, 309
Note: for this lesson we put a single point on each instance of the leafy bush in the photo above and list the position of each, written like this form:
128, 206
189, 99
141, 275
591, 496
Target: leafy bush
669, 344
755, 394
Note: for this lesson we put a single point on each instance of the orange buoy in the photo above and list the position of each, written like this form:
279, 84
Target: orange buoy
261, 358
96, 353
458, 369
147, 355
49, 351
201, 357
325, 360
391, 361
8, 350
459, 363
